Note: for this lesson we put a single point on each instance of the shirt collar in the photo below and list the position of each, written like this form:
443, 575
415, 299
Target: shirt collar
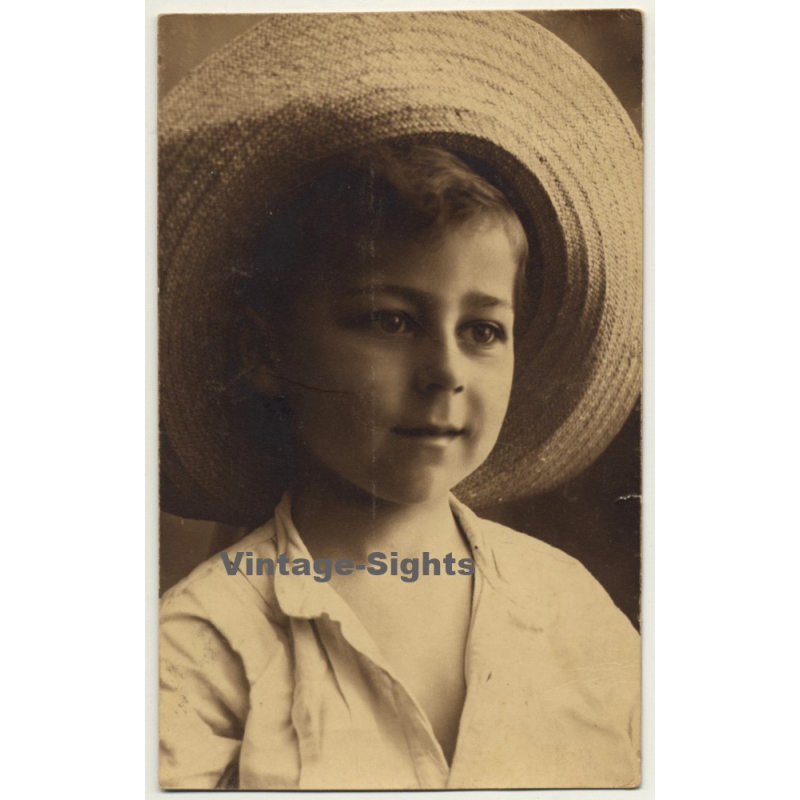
298, 596
302, 597
306, 598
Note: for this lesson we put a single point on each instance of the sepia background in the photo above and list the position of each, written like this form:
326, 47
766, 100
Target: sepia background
596, 516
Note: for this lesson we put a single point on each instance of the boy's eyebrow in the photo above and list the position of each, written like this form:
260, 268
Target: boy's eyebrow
481, 300
406, 292
473, 299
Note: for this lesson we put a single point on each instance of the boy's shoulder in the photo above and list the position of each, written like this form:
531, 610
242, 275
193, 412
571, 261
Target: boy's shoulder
538, 576
218, 587
517, 554
524, 548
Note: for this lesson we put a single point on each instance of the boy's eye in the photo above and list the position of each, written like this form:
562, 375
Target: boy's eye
485, 333
392, 322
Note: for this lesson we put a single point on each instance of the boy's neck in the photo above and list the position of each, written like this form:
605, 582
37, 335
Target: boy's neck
343, 521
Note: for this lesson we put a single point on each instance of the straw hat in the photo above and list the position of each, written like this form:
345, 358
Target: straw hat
493, 87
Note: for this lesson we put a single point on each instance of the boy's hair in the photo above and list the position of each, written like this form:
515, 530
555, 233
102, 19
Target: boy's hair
364, 201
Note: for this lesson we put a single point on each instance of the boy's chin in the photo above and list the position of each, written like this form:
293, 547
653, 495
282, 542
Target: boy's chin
418, 490
408, 492
390, 485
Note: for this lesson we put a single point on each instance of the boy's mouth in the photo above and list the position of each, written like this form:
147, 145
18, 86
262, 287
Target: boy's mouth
430, 431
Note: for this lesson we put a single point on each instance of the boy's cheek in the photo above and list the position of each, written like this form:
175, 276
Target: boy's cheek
346, 366
348, 410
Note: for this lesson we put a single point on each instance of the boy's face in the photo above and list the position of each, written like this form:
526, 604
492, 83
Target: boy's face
399, 376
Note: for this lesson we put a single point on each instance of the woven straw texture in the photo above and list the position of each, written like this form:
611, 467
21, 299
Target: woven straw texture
492, 86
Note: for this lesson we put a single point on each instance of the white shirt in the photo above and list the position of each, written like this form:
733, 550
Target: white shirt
275, 679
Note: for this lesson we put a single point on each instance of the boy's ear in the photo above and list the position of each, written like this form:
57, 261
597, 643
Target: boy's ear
257, 356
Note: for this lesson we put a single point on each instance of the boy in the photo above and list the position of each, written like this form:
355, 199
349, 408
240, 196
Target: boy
377, 319
394, 353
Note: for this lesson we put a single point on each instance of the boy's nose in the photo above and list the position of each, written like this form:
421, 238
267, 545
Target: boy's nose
441, 370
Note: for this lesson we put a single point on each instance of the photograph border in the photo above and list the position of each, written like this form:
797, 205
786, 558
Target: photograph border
156, 7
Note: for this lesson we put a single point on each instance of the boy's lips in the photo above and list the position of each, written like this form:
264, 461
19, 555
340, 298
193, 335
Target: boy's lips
430, 431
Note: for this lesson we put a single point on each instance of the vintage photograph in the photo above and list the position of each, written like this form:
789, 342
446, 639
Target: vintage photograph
400, 373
